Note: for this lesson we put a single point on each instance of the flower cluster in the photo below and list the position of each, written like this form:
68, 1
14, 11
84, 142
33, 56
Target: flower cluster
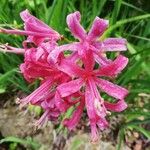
75, 78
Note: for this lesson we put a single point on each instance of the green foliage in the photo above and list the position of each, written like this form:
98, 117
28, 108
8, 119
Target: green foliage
129, 19
28, 142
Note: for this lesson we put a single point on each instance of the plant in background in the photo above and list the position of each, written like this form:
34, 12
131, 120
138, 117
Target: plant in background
71, 79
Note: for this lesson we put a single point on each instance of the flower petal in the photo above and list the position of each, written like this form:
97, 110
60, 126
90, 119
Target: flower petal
98, 28
61, 104
114, 44
101, 60
54, 55
28, 33
112, 89
72, 69
89, 102
102, 123
10, 49
114, 68
43, 119
35, 25
98, 100
73, 22
94, 132
76, 116
73, 57
88, 57
117, 107
35, 96
69, 88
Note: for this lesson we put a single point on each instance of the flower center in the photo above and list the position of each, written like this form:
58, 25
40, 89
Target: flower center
88, 74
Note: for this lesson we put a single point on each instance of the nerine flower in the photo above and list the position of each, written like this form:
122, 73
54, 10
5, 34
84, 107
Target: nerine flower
75, 80
35, 64
90, 40
87, 81
36, 30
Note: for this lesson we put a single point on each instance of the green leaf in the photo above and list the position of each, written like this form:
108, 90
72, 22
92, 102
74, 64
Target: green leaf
2, 90
25, 142
7, 75
57, 14
131, 72
121, 137
115, 11
142, 130
133, 6
122, 22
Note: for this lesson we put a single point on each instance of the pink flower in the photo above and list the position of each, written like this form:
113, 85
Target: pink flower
35, 62
44, 97
72, 80
89, 41
10, 49
87, 81
36, 30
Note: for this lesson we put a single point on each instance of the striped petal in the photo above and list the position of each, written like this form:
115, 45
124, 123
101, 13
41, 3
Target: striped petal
113, 68
72, 69
116, 107
76, 116
114, 44
112, 89
54, 54
73, 21
98, 28
69, 88
35, 25
38, 94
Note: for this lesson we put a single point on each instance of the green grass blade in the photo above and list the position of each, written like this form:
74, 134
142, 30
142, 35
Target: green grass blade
142, 130
25, 142
133, 6
115, 11
125, 21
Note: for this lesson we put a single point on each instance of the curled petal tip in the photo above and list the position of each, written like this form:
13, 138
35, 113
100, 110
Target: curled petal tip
98, 28
75, 14
73, 22
78, 15
99, 20
25, 14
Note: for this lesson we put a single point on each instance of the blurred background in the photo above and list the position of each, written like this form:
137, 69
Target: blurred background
128, 130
